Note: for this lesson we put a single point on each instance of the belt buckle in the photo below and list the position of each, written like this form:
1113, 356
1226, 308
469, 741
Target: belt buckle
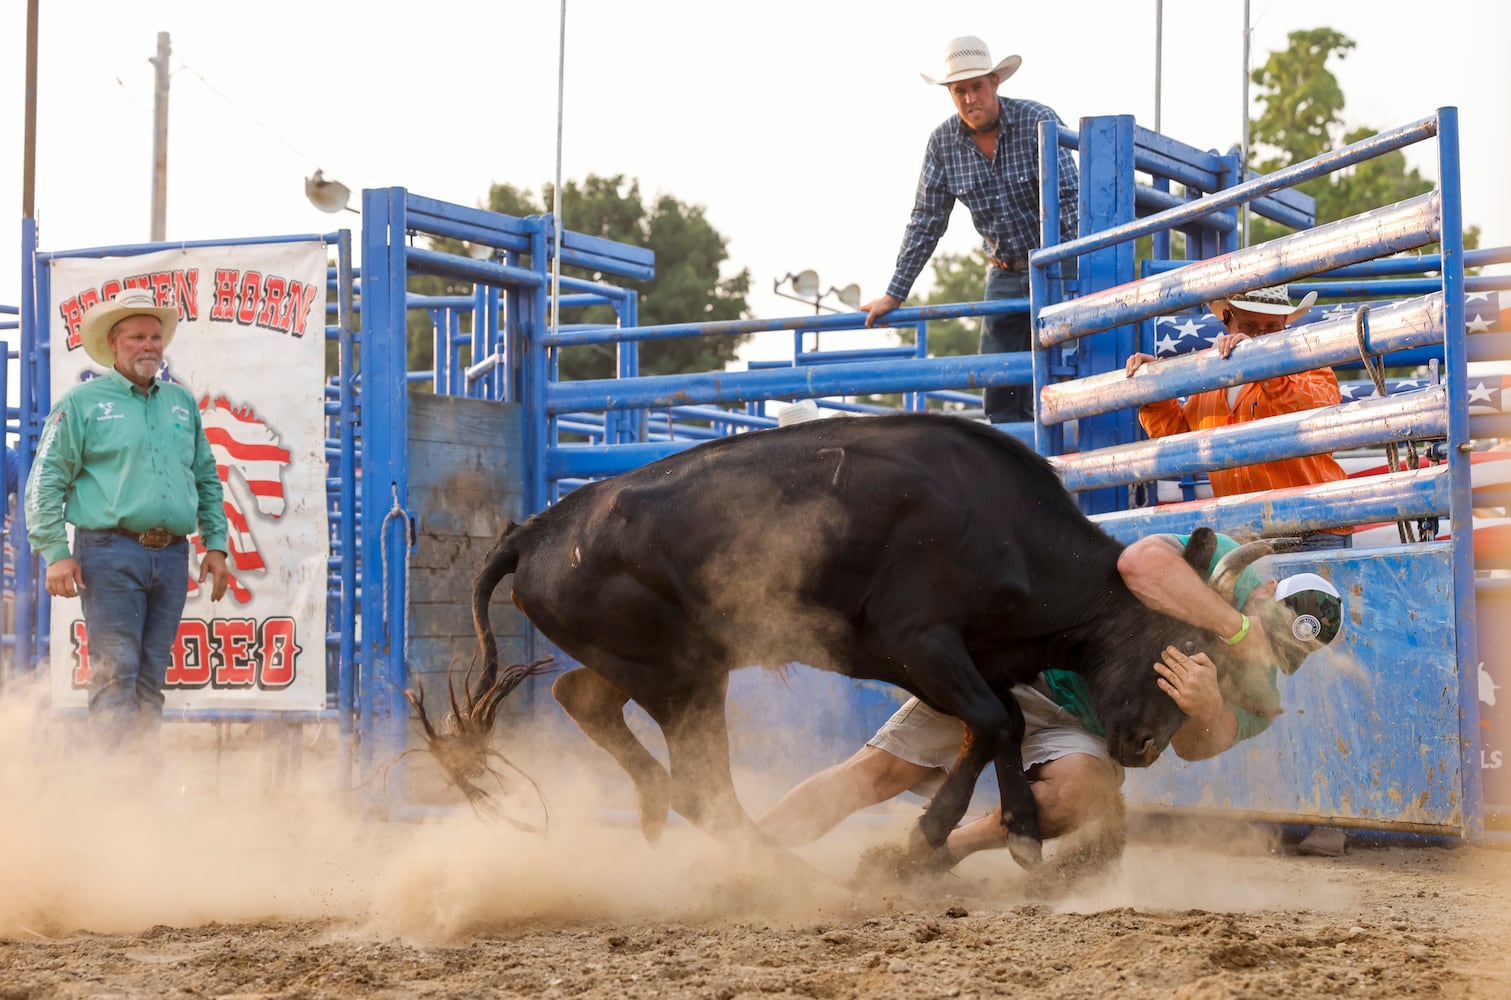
155, 538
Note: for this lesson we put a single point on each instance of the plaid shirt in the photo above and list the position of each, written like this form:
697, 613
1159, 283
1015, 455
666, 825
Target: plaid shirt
1002, 194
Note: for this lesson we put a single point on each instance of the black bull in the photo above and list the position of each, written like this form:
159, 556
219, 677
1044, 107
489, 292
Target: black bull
929, 552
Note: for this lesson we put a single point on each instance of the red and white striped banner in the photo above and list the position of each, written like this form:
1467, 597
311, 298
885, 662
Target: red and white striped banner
250, 346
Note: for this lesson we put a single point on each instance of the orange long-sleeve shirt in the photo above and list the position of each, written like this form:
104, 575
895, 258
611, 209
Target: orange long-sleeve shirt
1255, 401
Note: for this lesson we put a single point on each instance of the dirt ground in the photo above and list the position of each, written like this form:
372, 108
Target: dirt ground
219, 883
1378, 923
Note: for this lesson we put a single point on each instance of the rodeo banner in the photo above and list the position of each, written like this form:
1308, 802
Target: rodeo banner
250, 346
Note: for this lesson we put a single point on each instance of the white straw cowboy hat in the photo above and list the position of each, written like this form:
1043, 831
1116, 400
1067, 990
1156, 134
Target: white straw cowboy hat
800, 412
1272, 301
967, 57
103, 316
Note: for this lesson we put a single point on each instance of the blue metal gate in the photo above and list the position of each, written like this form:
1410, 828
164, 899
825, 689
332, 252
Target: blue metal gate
1387, 736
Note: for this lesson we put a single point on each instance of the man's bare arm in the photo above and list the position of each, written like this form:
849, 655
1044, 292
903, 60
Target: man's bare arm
1157, 573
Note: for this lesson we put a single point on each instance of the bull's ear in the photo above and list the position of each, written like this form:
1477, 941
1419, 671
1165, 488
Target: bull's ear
1200, 547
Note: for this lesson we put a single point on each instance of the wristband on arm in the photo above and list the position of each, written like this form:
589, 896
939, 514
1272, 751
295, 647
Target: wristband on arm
1243, 630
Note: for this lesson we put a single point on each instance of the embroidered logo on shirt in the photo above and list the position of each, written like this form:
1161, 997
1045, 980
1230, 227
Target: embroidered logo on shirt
180, 413
107, 411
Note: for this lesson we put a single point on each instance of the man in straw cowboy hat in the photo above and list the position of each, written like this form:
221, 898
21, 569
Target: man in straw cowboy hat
1250, 314
987, 157
124, 458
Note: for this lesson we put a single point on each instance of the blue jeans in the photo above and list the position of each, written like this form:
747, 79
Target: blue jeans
1006, 335
133, 600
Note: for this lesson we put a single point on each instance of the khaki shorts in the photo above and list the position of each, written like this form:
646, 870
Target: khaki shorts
919, 735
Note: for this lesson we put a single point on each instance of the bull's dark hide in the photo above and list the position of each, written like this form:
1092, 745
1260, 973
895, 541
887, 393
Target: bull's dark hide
930, 552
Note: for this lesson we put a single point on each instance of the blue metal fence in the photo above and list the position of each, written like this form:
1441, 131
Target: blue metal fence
496, 343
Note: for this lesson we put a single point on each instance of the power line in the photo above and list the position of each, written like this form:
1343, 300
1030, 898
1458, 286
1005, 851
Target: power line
247, 114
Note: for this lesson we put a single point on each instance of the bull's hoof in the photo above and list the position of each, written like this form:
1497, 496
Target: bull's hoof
1027, 851
892, 865
898, 864
654, 802
884, 864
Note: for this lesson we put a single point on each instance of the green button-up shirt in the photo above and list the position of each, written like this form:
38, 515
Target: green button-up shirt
113, 455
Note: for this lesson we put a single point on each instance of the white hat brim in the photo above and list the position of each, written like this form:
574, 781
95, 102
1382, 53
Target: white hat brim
1003, 69
1292, 313
1304, 581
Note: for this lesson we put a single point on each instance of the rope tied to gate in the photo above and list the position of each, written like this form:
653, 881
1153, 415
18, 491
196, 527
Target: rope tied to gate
1376, 370
395, 511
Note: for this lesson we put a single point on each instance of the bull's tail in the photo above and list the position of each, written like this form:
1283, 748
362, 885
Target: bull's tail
502, 560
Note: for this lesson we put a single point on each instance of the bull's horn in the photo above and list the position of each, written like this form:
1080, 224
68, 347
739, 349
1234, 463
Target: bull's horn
1225, 574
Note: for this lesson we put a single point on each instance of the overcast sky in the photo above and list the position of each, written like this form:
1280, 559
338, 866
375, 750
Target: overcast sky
798, 126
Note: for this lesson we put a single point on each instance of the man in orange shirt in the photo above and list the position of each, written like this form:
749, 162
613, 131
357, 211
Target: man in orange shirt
1253, 314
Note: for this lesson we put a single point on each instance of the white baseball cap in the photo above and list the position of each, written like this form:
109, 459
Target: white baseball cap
1315, 604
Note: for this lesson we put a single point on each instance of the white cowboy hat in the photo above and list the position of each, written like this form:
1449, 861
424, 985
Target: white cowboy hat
103, 316
967, 57
800, 412
1274, 300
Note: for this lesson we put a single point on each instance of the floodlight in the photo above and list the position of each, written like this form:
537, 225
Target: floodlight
326, 195
805, 283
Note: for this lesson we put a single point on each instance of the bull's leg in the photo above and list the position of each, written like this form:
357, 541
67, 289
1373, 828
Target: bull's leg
1020, 814
1020, 817
697, 746
947, 678
598, 707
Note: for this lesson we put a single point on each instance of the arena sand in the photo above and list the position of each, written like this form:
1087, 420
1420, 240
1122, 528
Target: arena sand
232, 874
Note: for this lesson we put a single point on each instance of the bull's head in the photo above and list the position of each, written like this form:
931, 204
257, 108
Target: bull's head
1139, 718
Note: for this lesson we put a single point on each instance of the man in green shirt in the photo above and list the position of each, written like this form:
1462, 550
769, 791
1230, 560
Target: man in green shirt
1073, 778
124, 458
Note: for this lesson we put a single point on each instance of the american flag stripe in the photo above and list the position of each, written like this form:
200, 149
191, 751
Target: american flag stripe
246, 451
244, 446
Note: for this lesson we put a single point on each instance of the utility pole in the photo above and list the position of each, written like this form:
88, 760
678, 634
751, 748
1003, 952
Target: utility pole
160, 141
29, 142
1159, 55
1243, 170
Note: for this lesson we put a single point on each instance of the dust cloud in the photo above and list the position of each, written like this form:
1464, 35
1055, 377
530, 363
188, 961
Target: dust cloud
118, 844
221, 831
228, 832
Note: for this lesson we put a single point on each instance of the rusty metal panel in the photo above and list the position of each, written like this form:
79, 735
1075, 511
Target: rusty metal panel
465, 461
1370, 736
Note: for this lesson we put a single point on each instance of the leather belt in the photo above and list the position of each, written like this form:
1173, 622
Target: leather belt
152, 538
1021, 266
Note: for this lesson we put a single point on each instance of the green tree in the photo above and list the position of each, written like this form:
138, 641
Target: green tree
1302, 117
686, 288
1302, 101
957, 278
